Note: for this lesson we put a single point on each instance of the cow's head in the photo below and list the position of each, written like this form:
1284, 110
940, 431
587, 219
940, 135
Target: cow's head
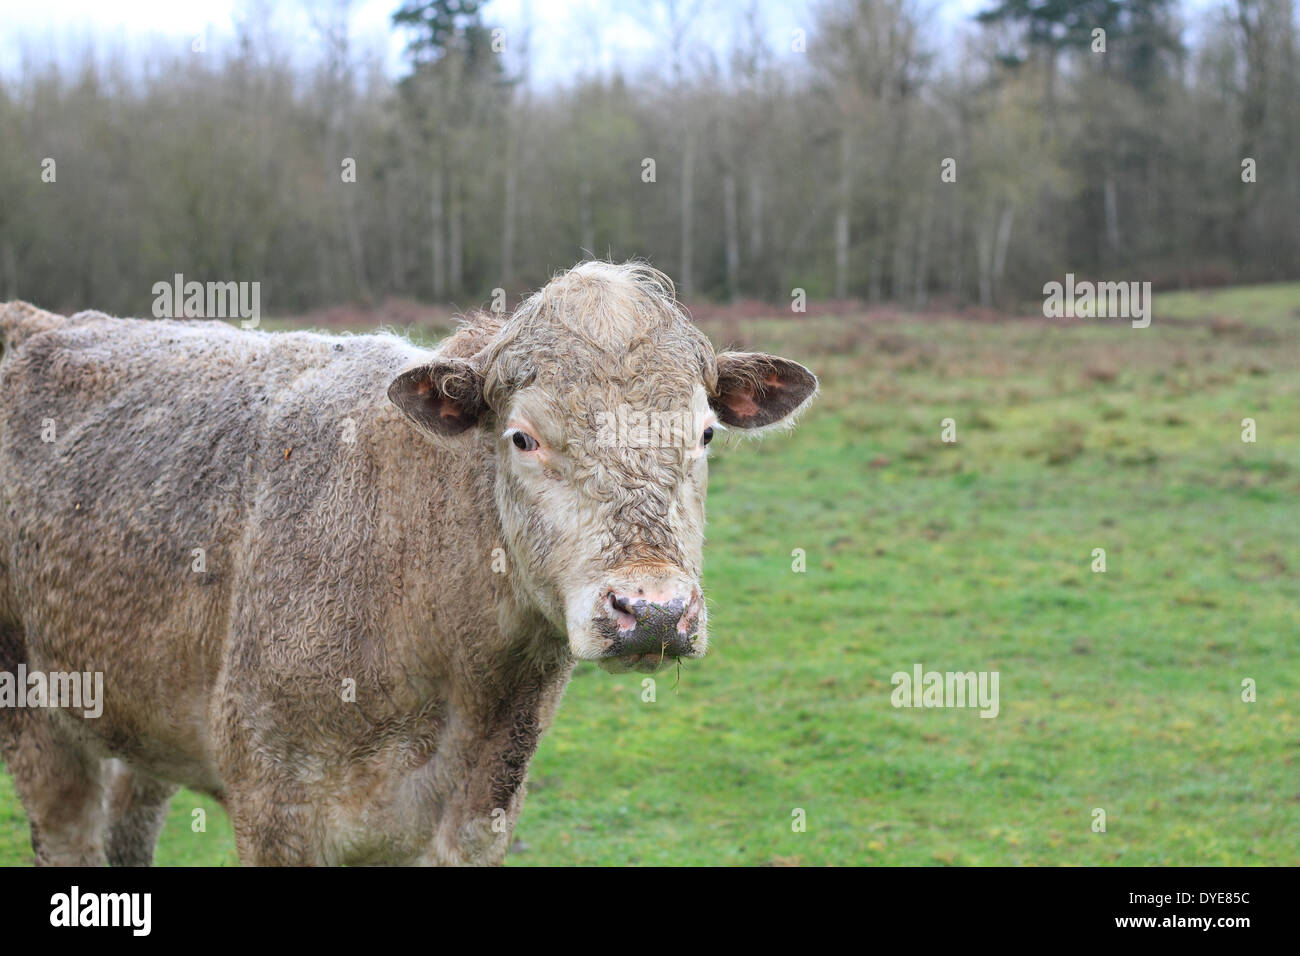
599, 399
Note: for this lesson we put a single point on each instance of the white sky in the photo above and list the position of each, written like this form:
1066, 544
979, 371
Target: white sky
568, 36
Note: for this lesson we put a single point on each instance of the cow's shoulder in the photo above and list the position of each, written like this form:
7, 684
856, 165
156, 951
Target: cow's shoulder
19, 321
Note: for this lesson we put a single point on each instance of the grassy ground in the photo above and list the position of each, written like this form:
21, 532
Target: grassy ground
1119, 690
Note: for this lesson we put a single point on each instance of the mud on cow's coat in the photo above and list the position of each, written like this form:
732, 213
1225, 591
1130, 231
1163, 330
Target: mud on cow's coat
278, 549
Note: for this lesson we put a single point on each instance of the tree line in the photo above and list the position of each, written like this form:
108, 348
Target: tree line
854, 158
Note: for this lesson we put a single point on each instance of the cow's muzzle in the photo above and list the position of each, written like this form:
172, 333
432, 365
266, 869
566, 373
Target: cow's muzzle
652, 625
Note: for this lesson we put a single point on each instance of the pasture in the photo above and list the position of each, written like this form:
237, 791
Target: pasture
1119, 690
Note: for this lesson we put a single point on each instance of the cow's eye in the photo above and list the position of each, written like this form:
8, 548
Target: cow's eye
524, 441
707, 436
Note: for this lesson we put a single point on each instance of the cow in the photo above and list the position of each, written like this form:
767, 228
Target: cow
339, 582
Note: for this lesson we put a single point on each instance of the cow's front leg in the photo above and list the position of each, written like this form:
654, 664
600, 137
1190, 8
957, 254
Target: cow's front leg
467, 837
476, 841
478, 820
137, 807
274, 825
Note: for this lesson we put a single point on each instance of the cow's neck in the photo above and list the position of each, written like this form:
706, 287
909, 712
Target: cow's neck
464, 629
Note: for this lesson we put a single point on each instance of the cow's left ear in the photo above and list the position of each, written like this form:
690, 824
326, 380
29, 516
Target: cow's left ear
444, 397
757, 390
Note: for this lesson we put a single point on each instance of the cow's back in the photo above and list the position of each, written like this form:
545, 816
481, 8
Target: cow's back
138, 461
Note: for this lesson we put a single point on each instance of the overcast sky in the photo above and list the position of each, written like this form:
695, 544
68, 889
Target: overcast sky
567, 35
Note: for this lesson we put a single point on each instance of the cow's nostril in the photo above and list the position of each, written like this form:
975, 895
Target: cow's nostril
622, 609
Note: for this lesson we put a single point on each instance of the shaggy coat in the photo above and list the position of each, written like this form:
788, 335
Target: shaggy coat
320, 577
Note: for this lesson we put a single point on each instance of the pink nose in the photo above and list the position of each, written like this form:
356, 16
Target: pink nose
654, 623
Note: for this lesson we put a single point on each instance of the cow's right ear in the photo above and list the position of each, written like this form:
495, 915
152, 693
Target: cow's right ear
444, 397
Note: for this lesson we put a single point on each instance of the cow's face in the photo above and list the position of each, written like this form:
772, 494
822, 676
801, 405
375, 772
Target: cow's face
600, 400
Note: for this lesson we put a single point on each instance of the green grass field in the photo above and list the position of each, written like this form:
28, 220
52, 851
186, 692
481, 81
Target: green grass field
1119, 690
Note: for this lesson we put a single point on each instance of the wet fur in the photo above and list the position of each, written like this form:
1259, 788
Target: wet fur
342, 545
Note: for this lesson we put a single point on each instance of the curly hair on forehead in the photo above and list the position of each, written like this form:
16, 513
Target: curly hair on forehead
473, 333
594, 316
